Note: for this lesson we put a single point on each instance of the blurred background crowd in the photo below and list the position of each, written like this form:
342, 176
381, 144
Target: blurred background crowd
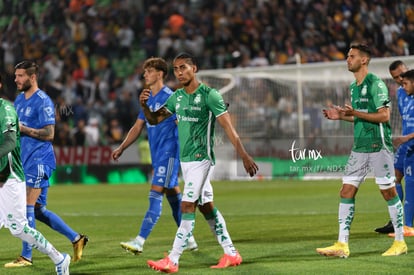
90, 52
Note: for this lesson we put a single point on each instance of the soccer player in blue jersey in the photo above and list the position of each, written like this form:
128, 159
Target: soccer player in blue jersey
13, 190
397, 68
163, 141
37, 126
407, 141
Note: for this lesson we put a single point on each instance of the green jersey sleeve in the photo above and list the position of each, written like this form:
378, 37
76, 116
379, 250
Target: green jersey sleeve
380, 94
216, 103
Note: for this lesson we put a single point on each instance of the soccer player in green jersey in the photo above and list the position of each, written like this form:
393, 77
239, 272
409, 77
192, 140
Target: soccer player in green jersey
197, 107
13, 190
372, 150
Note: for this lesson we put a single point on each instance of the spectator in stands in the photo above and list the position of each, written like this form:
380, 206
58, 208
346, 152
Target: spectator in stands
279, 28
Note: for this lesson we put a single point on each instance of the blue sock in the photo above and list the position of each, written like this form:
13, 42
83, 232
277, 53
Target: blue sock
55, 222
153, 213
175, 203
27, 248
409, 201
400, 191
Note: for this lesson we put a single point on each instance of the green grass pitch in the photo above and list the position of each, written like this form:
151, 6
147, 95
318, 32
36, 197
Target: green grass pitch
276, 226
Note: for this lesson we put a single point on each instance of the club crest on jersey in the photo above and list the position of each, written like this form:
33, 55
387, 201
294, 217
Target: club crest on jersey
364, 90
28, 111
197, 99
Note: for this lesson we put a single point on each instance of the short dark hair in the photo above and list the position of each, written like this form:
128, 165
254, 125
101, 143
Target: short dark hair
190, 58
408, 74
157, 63
30, 66
362, 48
394, 65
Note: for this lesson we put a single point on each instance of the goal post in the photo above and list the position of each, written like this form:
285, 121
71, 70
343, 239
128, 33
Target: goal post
277, 111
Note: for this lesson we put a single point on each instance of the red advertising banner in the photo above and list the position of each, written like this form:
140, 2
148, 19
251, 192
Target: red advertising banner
96, 155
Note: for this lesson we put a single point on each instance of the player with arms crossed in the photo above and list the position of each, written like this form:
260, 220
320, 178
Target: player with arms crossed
372, 149
397, 68
13, 190
36, 114
163, 140
407, 140
197, 107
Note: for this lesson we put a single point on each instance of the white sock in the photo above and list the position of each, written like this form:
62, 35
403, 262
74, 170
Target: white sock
36, 240
184, 231
219, 229
345, 216
396, 210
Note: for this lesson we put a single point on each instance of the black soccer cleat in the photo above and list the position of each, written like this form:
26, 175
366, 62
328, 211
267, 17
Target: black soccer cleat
388, 228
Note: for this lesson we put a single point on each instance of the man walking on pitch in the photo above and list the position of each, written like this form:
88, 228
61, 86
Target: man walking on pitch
396, 69
197, 107
163, 140
13, 190
37, 127
407, 141
372, 149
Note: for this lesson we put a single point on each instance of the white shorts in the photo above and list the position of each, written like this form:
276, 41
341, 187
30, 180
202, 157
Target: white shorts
13, 204
360, 164
197, 186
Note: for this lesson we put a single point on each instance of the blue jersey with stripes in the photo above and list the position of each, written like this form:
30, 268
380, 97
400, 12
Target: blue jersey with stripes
408, 118
36, 112
403, 99
163, 137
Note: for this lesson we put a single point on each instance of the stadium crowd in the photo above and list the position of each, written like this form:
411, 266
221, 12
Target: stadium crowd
91, 52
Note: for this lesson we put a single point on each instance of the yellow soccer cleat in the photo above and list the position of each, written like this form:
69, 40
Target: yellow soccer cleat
397, 248
19, 262
78, 247
339, 249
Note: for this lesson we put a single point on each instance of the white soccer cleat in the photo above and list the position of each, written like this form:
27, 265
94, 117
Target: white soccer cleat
132, 246
62, 268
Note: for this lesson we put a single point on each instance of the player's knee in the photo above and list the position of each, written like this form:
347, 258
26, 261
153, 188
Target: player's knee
16, 229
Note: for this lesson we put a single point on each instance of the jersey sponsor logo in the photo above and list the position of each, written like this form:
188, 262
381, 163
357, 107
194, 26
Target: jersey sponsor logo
195, 108
189, 119
161, 171
49, 111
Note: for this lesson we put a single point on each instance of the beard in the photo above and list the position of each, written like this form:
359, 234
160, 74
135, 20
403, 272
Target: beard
26, 86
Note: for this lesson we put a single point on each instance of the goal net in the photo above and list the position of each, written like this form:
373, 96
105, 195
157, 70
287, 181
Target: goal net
277, 112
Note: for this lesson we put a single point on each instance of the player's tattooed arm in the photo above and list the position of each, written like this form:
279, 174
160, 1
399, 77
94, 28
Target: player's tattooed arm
46, 133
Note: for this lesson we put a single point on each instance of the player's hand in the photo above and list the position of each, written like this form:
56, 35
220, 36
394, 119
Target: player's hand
397, 141
143, 97
250, 166
348, 110
333, 112
116, 153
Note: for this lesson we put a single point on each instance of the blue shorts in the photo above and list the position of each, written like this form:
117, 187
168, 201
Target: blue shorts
399, 157
166, 173
39, 178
